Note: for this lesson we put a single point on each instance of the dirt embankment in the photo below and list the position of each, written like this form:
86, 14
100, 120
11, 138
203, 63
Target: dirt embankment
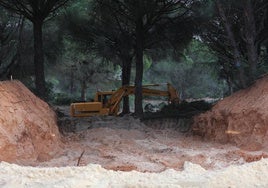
28, 127
241, 118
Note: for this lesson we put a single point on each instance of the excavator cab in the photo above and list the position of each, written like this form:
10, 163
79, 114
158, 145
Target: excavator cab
103, 97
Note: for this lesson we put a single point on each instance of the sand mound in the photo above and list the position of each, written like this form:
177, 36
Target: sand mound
193, 175
28, 129
241, 118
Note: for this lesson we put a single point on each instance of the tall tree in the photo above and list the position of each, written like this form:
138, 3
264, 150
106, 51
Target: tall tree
234, 44
237, 33
115, 36
147, 20
37, 11
105, 35
124, 29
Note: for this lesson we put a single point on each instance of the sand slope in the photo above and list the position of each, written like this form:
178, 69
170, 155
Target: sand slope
241, 118
28, 129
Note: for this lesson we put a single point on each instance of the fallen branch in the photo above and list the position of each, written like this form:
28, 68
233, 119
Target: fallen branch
80, 157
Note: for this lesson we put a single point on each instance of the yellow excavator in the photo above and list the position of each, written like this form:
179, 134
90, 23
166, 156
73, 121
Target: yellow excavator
108, 102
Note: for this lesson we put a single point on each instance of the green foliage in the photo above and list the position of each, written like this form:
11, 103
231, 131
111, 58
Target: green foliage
195, 76
37, 12
107, 41
8, 43
63, 99
79, 8
204, 10
49, 88
147, 62
237, 32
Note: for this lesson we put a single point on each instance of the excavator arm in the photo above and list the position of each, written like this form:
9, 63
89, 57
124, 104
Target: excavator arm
114, 102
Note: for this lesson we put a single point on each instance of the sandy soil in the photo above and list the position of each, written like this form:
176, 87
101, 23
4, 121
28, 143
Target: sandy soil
125, 144
247, 176
241, 119
28, 125
120, 151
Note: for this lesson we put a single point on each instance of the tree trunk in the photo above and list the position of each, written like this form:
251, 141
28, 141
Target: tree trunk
20, 73
250, 38
72, 80
231, 37
126, 73
83, 90
230, 85
40, 83
139, 68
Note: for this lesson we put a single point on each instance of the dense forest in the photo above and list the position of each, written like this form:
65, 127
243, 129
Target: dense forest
66, 50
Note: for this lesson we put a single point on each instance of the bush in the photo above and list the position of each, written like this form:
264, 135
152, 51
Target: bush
62, 99
187, 108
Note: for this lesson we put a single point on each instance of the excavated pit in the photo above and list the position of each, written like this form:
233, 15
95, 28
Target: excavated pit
30, 136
